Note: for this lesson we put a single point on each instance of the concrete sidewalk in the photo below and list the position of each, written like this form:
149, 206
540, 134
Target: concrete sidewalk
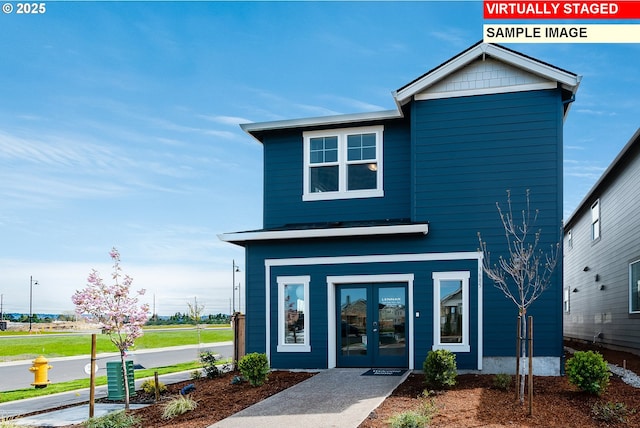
336, 398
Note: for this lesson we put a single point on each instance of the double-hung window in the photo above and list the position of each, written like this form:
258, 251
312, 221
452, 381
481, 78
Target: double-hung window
343, 163
634, 287
451, 311
293, 314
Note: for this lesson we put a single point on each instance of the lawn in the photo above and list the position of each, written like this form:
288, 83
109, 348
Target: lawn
66, 345
73, 385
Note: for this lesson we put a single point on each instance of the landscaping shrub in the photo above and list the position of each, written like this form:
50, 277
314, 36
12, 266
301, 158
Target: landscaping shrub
209, 360
502, 381
149, 386
196, 374
610, 412
440, 369
415, 418
113, 420
254, 368
177, 406
588, 371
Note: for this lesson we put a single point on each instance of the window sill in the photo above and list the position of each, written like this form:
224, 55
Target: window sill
354, 194
452, 348
294, 348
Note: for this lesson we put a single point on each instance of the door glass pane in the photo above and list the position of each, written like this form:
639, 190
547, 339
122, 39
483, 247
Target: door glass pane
391, 321
451, 311
353, 320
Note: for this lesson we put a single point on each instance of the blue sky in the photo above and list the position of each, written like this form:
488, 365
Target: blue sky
119, 126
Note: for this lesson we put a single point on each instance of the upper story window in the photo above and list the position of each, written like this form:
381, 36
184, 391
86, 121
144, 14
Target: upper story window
595, 221
343, 163
570, 239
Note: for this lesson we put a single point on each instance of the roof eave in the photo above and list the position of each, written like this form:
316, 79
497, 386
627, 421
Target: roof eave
258, 127
635, 139
242, 237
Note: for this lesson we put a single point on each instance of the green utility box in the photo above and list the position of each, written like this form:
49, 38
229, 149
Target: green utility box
115, 383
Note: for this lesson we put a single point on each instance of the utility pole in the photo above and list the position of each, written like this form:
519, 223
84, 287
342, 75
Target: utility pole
31, 283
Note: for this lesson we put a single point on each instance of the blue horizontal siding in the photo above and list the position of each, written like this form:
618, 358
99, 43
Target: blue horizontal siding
283, 182
449, 169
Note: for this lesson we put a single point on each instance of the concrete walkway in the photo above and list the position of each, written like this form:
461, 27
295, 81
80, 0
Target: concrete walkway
336, 398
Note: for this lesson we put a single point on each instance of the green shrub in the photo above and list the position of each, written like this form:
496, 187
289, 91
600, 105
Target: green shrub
440, 369
255, 368
610, 412
149, 386
118, 419
178, 406
588, 371
415, 418
502, 381
196, 374
209, 360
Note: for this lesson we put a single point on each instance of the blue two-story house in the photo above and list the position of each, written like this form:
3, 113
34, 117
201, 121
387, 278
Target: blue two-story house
368, 256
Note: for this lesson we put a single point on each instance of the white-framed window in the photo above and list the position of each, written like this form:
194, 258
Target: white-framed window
570, 239
451, 311
293, 314
634, 287
343, 163
565, 299
595, 220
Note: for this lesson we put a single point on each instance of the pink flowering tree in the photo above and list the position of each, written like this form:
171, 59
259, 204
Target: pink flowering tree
120, 314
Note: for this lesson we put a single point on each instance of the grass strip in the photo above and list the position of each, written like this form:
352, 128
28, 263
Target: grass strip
73, 385
25, 348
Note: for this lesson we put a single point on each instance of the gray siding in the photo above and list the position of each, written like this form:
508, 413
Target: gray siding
594, 311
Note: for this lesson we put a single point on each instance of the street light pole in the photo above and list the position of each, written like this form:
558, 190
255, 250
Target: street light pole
233, 285
31, 282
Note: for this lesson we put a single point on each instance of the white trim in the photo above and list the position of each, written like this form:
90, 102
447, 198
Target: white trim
337, 120
282, 282
332, 315
325, 233
342, 163
386, 258
463, 277
485, 91
569, 81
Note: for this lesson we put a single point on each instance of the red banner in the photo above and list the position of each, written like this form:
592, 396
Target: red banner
561, 9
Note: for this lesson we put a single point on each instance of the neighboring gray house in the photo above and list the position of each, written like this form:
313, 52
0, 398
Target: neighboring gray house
601, 296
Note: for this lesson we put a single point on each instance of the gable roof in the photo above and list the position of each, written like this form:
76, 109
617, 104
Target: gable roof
541, 74
611, 173
495, 69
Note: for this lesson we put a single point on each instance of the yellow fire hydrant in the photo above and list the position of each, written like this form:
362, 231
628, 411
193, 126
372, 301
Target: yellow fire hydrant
40, 369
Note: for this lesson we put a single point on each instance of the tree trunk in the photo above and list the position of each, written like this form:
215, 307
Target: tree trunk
126, 380
523, 352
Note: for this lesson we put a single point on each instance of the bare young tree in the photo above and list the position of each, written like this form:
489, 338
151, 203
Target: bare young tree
195, 314
527, 272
